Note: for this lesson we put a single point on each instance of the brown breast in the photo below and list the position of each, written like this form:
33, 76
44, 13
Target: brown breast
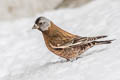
57, 37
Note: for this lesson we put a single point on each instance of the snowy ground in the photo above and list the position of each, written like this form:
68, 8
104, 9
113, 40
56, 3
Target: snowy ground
23, 55
13, 9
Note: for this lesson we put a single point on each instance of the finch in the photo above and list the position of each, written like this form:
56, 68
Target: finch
63, 43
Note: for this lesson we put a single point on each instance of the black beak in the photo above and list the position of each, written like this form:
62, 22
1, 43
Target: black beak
35, 26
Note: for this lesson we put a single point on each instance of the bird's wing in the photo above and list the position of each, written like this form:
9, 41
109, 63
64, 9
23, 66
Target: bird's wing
57, 47
77, 41
64, 46
86, 39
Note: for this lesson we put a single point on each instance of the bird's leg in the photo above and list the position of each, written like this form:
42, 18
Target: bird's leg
67, 60
71, 60
78, 58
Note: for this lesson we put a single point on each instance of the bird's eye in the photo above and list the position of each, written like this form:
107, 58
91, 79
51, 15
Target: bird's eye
40, 23
43, 22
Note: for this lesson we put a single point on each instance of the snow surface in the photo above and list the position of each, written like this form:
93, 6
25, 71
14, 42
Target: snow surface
13, 9
24, 56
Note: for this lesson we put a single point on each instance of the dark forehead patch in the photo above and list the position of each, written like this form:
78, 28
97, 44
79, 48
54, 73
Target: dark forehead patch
37, 20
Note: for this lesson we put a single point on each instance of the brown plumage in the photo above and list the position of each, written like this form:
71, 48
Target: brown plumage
65, 44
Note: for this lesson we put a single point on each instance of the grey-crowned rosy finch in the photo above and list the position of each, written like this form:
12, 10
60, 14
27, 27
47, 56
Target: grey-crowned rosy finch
63, 43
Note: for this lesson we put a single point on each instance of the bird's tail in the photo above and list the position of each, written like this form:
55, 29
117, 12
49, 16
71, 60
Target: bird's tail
94, 43
102, 42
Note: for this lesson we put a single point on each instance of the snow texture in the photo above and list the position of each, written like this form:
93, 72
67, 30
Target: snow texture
24, 56
12, 9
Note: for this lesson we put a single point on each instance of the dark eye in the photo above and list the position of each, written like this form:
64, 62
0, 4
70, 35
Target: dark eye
40, 23
43, 22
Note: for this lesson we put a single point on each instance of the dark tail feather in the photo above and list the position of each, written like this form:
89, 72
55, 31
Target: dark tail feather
91, 44
99, 37
103, 42
92, 38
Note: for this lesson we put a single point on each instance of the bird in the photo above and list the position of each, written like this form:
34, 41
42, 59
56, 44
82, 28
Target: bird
65, 44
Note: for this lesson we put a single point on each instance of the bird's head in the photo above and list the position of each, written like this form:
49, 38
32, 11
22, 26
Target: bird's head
42, 24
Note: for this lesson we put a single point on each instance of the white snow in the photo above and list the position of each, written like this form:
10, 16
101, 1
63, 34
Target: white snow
24, 56
13, 9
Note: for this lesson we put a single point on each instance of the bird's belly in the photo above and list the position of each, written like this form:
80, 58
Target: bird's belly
68, 53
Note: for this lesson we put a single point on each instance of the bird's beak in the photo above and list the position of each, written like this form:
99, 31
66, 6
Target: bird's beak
35, 26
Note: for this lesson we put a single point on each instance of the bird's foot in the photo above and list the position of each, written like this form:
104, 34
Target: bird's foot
72, 60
